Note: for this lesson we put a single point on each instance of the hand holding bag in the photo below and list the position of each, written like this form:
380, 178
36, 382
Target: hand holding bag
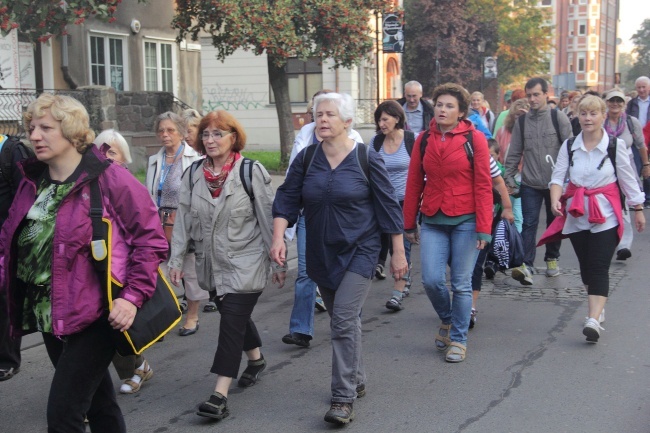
157, 316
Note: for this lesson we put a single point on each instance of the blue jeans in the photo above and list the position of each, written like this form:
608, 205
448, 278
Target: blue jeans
531, 204
302, 315
438, 243
639, 166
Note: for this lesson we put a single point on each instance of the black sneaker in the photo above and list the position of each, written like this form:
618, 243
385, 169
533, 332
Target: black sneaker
297, 338
394, 304
216, 407
340, 413
490, 270
379, 272
623, 254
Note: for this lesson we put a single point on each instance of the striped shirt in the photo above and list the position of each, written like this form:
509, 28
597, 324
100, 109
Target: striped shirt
397, 165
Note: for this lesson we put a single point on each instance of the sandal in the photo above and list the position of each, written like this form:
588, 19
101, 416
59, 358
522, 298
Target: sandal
250, 376
456, 352
131, 386
442, 337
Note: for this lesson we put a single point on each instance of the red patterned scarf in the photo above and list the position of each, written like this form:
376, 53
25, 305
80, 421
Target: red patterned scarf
214, 180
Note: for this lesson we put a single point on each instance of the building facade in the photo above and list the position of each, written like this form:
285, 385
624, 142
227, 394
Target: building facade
585, 47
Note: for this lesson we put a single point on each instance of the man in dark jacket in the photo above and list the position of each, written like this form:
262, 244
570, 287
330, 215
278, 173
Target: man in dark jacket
639, 107
418, 111
9, 348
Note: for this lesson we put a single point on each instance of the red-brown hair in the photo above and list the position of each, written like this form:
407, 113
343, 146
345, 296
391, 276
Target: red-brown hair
224, 121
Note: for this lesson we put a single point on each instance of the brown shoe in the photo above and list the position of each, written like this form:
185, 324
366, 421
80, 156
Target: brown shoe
340, 413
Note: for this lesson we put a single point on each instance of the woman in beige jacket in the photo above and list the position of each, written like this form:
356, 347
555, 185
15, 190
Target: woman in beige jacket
232, 233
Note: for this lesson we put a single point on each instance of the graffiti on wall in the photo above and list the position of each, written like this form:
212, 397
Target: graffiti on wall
226, 98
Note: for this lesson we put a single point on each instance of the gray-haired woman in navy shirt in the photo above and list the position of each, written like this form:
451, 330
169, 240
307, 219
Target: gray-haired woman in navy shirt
348, 202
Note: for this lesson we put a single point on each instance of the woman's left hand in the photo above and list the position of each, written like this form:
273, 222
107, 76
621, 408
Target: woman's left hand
278, 278
398, 265
639, 221
481, 245
122, 314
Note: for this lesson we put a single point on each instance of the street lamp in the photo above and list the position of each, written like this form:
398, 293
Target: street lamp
481, 50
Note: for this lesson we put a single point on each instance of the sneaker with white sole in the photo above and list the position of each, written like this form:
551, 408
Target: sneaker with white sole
591, 330
551, 268
394, 303
472, 318
379, 272
523, 275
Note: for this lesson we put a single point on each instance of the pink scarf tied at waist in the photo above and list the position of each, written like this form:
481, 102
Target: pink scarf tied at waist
577, 209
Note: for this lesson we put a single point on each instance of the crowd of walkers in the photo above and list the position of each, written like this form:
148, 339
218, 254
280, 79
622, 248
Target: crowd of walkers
432, 175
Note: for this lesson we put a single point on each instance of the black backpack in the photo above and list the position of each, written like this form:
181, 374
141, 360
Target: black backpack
9, 145
409, 140
245, 174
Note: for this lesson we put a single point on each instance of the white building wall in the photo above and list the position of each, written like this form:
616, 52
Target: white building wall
241, 86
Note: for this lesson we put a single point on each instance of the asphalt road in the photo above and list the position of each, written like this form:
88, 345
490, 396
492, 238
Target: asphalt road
528, 368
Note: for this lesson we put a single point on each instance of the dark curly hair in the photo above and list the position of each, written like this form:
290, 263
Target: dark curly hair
455, 90
393, 109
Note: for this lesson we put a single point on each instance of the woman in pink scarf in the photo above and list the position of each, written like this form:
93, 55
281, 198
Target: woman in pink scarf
590, 211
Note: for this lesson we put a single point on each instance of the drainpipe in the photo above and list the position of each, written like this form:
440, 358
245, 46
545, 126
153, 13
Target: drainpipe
64, 63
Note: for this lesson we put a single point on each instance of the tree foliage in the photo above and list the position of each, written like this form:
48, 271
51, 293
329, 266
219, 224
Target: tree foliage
39, 20
330, 29
641, 41
516, 33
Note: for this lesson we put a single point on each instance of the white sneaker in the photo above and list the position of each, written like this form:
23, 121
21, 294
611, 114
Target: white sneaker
592, 330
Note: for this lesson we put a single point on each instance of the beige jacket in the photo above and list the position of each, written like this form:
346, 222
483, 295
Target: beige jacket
232, 234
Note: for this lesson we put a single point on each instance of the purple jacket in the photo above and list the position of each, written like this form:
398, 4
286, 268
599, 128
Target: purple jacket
139, 245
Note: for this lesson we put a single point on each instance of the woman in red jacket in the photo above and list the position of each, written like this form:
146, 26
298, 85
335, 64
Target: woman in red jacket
453, 179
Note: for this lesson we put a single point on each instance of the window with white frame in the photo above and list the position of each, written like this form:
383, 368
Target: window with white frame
305, 79
108, 61
582, 27
159, 66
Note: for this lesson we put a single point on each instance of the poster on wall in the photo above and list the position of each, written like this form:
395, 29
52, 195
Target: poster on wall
393, 41
26, 64
9, 72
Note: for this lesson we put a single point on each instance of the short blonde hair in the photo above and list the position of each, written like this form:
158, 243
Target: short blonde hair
114, 139
74, 119
192, 118
591, 102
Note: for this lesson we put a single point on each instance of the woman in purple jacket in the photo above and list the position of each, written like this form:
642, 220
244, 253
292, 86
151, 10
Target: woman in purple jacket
46, 268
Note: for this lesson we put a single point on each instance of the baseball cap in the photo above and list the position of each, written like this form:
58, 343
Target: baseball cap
615, 94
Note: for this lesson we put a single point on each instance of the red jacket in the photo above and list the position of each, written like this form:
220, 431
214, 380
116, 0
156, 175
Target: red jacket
452, 185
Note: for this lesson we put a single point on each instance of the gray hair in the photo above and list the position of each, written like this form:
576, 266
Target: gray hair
344, 103
642, 78
413, 84
114, 139
180, 123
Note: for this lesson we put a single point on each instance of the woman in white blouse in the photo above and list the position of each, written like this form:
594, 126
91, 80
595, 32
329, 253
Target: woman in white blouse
590, 210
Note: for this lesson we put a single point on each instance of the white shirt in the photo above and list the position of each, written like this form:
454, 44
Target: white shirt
585, 172
643, 110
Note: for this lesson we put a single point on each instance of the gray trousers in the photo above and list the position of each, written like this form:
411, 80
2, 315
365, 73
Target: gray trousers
344, 307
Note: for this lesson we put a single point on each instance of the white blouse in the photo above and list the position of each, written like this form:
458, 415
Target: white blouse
585, 172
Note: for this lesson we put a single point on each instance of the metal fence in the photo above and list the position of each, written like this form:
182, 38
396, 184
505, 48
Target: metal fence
14, 102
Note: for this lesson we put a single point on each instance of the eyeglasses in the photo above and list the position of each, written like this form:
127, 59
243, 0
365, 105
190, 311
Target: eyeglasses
214, 134
616, 101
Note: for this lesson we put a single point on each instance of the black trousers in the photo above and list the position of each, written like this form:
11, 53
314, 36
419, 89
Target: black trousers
82, 384
595, 252
9, 348
237, 332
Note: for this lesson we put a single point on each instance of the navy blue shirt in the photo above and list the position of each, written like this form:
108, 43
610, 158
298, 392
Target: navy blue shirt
344, 213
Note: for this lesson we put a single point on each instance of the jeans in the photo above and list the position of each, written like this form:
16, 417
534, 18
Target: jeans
477, 273
302, 314
438, 244
9, 348
639, 166
531, 203
82, 384
344, 307
387, 246
517, 212
237, 332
